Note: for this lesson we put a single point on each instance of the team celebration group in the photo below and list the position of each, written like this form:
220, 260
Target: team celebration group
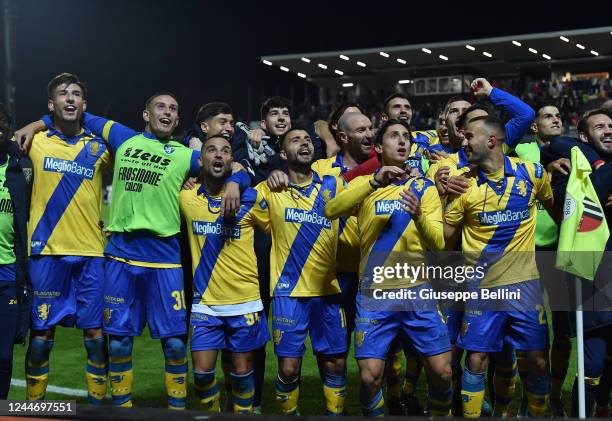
287, 223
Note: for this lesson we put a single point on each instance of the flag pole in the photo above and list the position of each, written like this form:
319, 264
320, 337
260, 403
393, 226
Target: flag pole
580, 349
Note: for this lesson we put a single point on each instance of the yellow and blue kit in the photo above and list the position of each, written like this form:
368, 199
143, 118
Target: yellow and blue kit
498, 215
304, 287
227, 311
347, 257
386, 234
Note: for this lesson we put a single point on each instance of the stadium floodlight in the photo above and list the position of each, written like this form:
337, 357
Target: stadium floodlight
426, 50
404, 81
305, 60
443, 57
580, 46
401, 61
562, 38
533, 50
269, 63
347, 85
546, 56
518, 44
361, 64
343, 57
469, 47
382, 53
595, 53
302, 75
284, 69
322, 66
338, 72
487, 54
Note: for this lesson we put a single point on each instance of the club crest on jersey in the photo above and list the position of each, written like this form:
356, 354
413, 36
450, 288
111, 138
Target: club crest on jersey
27, 173
359, 336
108, 313
521, 186
168, 149
418, 184
464, 328
43, 311
94, 147
276, 336
326, 194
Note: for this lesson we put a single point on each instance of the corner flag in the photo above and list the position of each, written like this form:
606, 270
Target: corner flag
584, 231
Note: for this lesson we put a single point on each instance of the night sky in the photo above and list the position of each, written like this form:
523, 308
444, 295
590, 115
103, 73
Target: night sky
209, 50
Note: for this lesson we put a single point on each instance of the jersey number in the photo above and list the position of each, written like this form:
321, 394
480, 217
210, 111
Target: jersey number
179, 296
251, 318
541, 314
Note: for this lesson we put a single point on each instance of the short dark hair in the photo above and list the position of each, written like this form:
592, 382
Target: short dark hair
160, 93
462, 121
292, 129
493, 122
543, 104
65, 79
462, 97
215, 136
581, 127
274, 102
393, 96
212, 109
383, 129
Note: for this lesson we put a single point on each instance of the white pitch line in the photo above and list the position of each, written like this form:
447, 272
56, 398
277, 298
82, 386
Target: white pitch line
55, 389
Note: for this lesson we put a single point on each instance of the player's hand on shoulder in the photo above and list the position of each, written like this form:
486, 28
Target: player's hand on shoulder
410, 203
237, 167
24, 136
561, 165
190, 183
230, 199
457, 184
435, 156
277, 180
386, 175
441, 179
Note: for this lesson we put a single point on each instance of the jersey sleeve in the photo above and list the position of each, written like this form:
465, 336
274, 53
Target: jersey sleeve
260, 212
430, 223
112, 132
542, 183
521, 115
348, 199
455, 210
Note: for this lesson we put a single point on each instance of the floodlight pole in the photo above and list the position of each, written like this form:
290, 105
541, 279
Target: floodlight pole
8, 58
580, 350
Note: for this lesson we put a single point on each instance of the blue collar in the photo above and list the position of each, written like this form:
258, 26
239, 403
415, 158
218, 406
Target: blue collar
339, 163
306, 190
463, 159
212, 201
70, 140
508, 172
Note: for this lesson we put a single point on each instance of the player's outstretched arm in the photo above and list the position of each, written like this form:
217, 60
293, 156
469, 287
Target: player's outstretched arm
521, 114
112, 132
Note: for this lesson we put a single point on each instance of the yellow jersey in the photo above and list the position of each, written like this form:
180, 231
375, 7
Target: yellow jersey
498, 215
224, 264
66, 194
304, 241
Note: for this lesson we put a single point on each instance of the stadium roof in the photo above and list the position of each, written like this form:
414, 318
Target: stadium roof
497, 55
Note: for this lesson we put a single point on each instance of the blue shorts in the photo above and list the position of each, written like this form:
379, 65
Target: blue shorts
68, 291
322, 317
134, 295
487, 330
453, 320
242, 333
375, 331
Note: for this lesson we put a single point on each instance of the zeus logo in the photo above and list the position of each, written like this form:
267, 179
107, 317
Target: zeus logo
147, 157
387, 207
301, 216
506, 217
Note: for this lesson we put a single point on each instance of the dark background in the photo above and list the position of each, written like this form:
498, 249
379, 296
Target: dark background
209, 50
